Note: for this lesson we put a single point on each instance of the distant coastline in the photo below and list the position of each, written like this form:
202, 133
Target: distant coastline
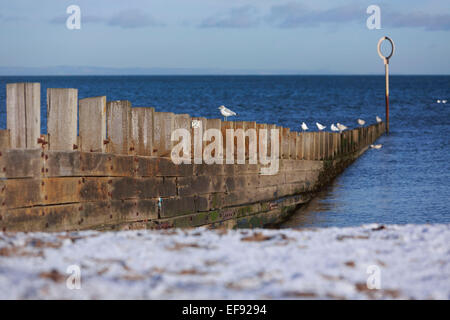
106, 71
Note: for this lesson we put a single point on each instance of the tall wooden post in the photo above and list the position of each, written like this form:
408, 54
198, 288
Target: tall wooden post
62, 113
23, 114
93, 124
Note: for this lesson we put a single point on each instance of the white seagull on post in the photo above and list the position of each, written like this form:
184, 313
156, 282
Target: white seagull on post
320, 127
444, 101
304, 126
226, 112
378, 119
438, 101
361, 122
334, 128
341, 127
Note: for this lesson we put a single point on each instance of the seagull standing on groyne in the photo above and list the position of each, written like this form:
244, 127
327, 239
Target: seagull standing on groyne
341, 127
378, 119
334, 128
320, 127
361, 122
226, 112
304, 126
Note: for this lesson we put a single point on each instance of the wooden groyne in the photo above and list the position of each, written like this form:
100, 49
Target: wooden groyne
107, 165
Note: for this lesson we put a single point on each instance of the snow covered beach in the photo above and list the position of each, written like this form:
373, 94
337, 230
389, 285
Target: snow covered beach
405, 262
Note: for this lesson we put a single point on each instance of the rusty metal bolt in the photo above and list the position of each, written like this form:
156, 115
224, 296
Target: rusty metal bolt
106, 141
75, 147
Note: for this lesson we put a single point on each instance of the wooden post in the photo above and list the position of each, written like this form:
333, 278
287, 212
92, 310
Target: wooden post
197, 128
269, 139
5, 139
93, 124
164, 125
62, 112
214, 124
292, 145
308, 145
23, 114
249, 125
239, 151
118, 119
299, 146
285, 134
142, 130
262, 143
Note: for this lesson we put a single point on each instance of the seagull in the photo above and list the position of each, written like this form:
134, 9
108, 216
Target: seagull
444, 101
438, 101
341, 127
226, 112
304, 126
378, 119
361, 122
334, 128
320, 127
376, 146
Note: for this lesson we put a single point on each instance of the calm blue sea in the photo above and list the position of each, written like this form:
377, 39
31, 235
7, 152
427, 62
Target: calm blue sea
407, 181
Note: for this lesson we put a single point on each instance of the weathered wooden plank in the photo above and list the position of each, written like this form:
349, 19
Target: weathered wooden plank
251, 147
23, 107
177, 206
164, 123
217, 125
292, 145
5, 139
21, 163
228, 140
285, 145
118, 119
142, 125
198, 126
299, 146
62, 118
150, 167
307, 145
93, 124
262, 139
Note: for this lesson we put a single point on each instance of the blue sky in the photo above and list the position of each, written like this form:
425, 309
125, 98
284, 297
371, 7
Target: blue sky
266, 36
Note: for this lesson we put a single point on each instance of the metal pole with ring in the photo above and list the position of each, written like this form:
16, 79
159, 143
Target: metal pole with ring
386, 68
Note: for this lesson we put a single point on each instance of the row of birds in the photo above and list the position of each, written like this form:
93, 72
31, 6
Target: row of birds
443, 101
338, 127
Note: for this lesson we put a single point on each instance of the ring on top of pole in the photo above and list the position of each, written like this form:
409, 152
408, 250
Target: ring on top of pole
385, 58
